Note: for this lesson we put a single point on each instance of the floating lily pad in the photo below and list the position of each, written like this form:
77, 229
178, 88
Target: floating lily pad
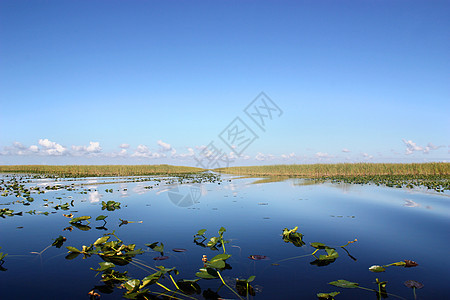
329, 296
344, 284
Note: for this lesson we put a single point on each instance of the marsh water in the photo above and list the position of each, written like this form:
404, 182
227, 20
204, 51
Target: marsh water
390, 225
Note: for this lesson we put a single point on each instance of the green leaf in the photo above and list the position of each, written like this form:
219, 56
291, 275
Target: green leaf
377, 269
79, 219
132, 285
207, 273
329, 296
398, 264
292, 236
155, 247
251, 278
319, 245
101, 218
331, 254
213, 241
222, 230
344, 284
217, 264
222, 256
104, 266
73, 249
59, 241
201, 232
101, 240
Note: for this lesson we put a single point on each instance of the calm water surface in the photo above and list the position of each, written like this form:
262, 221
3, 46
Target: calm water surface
390, 225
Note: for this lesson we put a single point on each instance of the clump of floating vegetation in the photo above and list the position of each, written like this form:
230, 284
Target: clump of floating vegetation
100, 170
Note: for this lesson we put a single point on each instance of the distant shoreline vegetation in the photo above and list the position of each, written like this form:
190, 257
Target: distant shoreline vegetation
343, 169
100, 170
306, 170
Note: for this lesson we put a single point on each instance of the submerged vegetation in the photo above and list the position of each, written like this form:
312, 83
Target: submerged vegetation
100, 170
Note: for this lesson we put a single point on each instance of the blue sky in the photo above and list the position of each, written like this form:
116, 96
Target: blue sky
150, 82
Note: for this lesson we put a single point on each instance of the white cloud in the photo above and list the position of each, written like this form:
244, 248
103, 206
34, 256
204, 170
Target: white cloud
190, 153
34, 148
124, 146
144, 152
94, 147
411, 147
367, 156
164, 146
323, 155
52, 148
288, 156
345, 150
263, 157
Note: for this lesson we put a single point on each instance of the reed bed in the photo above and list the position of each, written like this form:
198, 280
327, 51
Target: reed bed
343, 169
100, 170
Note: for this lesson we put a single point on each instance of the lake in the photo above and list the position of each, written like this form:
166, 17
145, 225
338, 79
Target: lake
390, 225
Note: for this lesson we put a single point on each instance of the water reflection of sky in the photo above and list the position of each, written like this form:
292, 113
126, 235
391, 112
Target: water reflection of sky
390, 225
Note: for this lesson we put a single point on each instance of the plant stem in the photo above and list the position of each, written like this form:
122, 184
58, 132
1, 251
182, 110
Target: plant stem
294, 257
174, 282
169, 290
218, 273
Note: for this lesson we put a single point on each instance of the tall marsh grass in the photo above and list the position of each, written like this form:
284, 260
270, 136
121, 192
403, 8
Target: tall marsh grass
100, 170
344, 169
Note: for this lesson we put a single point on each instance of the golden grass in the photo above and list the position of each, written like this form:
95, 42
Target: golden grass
344, 169
100, 170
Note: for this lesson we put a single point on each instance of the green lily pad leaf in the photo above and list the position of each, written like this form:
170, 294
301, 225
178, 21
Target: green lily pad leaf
132, 285
79, 219
101, 240
377, 269
154, 246
292, 236
73, 249
101, 218
344, 284
331, 254
329, 296
201, 232
220, 257
59, 241
104, 266
207, 273
213, 241
319, 246
217, 264
222, 230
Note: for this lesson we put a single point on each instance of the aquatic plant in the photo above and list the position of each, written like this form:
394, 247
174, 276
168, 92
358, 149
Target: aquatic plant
2, 261
414, 285
110, 205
